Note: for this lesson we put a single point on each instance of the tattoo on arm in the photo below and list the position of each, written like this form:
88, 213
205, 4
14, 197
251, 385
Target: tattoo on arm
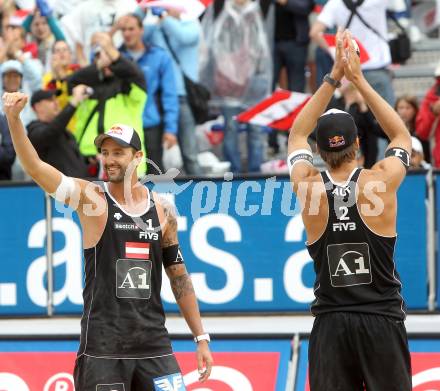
169, 237
182, 286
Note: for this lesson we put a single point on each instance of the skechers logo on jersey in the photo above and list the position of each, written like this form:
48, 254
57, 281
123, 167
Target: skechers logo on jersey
148, 235
125, 226
344, 227
172, 382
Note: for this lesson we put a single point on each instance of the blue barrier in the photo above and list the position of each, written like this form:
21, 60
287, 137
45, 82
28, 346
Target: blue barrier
243, 243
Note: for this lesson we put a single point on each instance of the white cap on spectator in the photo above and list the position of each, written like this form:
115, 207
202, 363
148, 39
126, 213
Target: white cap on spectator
12, 66
416, 145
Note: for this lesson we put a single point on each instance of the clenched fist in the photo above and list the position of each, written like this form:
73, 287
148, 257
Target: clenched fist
13, 103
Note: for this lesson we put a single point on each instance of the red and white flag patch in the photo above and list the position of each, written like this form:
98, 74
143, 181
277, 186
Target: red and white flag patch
137, 250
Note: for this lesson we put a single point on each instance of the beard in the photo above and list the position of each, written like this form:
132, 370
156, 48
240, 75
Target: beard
115, 174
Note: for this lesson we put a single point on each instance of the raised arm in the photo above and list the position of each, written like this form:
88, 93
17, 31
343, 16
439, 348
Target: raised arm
47, 177
182, 287
299, 158
391, 168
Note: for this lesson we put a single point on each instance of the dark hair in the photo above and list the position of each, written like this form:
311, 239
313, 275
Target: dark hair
336, 159
414, 103
137, 17
57, 41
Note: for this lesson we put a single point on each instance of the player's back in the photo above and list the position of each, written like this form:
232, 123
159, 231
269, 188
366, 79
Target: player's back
354, 263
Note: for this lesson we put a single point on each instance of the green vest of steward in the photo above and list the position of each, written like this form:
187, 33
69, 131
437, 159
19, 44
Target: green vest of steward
119, 96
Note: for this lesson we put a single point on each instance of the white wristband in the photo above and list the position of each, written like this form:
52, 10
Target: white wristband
203, 337
300, 155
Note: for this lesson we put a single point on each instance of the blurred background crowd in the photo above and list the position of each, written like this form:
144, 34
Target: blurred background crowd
88, 64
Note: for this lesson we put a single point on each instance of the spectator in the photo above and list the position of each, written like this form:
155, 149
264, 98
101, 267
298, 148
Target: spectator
21, 76
161, 110
119, 95
336, 14
427, 119
180, 37
93, 16
368, 128
323, 58
238, 70
62, 66
14, 40
45, 31
48, 134
417, 156
7, 153
407, 106
7, 9
291, 39
63, 7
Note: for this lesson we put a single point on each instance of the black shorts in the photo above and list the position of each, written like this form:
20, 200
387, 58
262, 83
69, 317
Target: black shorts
108, 374
349, 350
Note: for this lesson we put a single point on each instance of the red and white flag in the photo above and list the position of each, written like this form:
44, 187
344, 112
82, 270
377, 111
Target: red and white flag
278, 111
137, 250
331, 42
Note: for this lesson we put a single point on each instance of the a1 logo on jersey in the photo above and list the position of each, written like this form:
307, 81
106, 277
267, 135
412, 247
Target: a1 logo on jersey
133, 279
172, 382
349, 264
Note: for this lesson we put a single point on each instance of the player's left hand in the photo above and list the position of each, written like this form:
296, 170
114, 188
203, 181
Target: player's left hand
204, 361
337, 71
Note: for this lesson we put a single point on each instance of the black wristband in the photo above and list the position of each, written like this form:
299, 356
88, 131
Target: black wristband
333, 82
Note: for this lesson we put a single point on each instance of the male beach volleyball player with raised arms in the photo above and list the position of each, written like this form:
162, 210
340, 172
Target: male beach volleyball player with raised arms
128, 234
358, 338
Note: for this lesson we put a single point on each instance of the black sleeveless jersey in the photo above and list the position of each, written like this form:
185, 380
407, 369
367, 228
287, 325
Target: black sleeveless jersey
123, 314
355, 269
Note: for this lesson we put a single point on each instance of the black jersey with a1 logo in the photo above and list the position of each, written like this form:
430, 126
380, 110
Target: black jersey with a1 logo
355, 269
123, 314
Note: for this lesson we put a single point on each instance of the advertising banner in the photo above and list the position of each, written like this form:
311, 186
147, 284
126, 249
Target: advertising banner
242, 241
242, 365
425, 362
22, 251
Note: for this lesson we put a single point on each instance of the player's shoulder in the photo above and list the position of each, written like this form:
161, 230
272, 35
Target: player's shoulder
308, 184
165, 207
385, 175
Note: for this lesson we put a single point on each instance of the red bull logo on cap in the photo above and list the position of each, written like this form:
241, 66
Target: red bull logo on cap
336, 141
116, 130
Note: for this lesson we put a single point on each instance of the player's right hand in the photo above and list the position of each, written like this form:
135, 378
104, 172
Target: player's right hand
13, 103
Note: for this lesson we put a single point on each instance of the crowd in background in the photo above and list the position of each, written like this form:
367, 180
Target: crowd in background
88, 64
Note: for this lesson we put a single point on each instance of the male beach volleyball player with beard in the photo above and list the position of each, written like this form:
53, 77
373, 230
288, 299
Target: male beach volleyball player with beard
358, 338
128, 234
